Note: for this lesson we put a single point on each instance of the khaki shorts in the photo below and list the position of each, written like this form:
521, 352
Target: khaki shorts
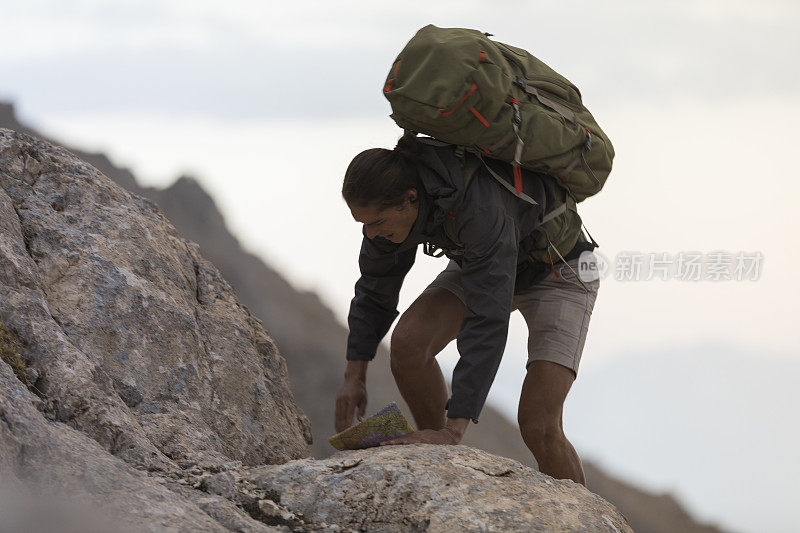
556, 309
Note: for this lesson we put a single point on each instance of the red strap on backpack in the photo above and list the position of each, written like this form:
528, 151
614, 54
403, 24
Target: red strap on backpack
517, 178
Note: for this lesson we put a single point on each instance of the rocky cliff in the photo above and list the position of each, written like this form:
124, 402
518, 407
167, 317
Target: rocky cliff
316, 362
125, 324
139, 393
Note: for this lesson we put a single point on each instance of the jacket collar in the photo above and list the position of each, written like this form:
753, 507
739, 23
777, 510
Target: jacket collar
438, 171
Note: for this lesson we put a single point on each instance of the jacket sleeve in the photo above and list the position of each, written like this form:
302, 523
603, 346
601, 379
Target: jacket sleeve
488, 273
374, 307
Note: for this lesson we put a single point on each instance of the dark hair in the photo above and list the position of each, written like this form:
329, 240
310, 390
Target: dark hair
381, 177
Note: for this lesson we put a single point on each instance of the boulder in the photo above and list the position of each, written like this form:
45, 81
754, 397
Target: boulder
435, 488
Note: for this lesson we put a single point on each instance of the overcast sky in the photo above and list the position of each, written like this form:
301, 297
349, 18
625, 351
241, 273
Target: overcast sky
259, 99
244, 60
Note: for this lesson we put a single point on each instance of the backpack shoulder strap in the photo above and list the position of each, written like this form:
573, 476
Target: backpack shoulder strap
469, 168
505, 183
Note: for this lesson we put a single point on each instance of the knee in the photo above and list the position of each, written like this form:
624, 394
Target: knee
409, 345
540, 432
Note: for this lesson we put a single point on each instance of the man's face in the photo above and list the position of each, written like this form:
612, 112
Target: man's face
392, 223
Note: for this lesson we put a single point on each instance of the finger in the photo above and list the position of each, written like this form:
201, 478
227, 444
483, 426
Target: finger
339, 419
344, 415
362, 408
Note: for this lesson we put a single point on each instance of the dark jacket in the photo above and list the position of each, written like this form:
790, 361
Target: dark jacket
492, 225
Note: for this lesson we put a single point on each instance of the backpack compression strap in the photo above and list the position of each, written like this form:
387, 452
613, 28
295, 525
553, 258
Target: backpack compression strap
470, 167
567, 114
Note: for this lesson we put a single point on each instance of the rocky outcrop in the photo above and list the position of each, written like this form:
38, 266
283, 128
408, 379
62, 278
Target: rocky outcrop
46, 466
144, 392
135, 339
135, 366
425, 487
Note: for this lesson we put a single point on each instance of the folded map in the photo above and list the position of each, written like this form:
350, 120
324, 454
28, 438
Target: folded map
387, 424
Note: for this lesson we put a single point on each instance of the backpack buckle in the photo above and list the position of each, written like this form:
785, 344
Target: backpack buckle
432, 250
517, 115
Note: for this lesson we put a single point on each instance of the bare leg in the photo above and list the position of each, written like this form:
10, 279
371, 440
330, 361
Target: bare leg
427, 326
541, 406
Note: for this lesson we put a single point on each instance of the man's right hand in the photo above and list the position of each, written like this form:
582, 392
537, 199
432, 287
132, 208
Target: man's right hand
352, 397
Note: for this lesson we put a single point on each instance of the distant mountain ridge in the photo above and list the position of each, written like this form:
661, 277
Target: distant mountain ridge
313, 342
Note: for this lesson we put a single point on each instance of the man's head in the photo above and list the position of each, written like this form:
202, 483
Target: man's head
392, 223
382, 190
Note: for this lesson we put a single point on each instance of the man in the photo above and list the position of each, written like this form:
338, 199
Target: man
408, 197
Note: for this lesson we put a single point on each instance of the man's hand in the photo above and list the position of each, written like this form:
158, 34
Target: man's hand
352, 395
451, 433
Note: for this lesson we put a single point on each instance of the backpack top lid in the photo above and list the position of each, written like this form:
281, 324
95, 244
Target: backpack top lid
436, 77
458, 86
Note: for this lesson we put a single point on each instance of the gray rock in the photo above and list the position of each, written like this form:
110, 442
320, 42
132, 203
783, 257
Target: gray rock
225, 512
434, 488
33, 375
222, 484
137, 340
63, 480
270, 508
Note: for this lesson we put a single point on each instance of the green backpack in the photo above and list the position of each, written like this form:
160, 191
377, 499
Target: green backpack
495, 100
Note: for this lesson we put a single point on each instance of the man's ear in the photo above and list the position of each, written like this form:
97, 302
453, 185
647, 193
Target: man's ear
413, 195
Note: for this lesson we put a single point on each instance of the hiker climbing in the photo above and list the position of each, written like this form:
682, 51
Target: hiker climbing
510, 151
